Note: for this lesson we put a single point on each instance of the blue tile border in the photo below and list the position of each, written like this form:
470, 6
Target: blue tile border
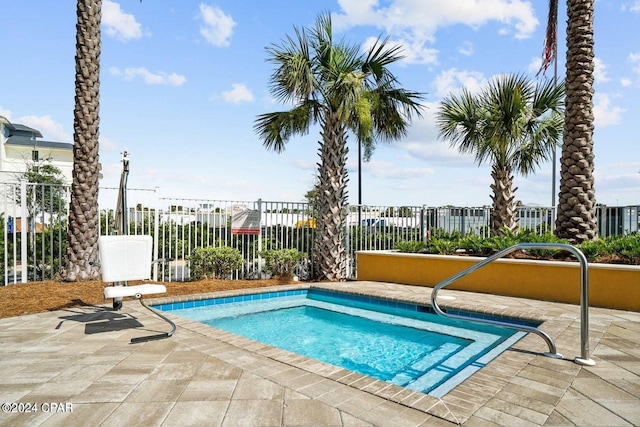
375, 301
389, 305
468, 313
379, 304
229, 299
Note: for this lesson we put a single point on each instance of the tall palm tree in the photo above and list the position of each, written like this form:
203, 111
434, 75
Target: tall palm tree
82, 241
333, 84
513, 124
576, 218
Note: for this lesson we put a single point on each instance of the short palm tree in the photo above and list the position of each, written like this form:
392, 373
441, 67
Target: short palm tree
513, 124
82, 241
577, 219
336, 86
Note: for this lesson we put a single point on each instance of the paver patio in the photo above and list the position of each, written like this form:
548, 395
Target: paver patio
203, 376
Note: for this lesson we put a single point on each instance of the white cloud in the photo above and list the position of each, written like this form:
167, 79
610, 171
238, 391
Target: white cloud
452, 80
534, 65
159, 78
634, 58
413, 51
49, 128
108, 144
633, 6
600, 71
626, 82
466, 48
118, 24
416, 23
5, 113
238, 93
604, 113
422, 143
218, 27
390, 170
436, 152
634, 80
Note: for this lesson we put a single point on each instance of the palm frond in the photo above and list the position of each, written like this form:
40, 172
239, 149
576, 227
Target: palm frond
379, 56
293, 80
538, 143
549, 95
460, 120
276, 128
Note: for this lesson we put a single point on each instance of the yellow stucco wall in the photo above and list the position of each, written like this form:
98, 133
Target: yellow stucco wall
612, 286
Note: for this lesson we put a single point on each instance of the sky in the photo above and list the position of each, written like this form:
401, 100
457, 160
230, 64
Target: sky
182, 83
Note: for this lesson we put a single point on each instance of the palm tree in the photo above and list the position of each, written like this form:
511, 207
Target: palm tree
513, 124
82, 241
576, 219
343, 90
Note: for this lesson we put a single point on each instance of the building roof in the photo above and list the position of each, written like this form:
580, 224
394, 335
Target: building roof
22, 128
25, 136
25, 141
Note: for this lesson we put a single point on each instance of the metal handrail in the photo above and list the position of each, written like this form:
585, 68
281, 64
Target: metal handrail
584, 298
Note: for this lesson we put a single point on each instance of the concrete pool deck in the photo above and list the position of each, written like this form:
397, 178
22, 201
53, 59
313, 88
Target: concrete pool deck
203, 376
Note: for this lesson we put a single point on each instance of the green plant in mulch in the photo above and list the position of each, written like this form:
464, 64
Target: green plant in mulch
282, 262
214, 262
442, 246
612, 249
410, 246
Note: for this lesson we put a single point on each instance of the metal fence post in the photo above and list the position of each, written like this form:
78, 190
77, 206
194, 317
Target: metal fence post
423, 235
156, 241
24, 224
260, 239
348, 273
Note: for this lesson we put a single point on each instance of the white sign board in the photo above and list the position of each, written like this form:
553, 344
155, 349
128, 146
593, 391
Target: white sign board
245, 221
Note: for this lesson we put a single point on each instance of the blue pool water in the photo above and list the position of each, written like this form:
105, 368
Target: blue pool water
397, 342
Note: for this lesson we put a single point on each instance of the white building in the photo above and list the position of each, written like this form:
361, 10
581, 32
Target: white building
20, 147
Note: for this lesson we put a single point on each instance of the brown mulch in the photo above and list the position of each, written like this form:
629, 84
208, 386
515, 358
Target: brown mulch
37, 297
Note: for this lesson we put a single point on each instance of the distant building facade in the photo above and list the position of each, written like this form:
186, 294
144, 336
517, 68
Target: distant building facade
20, 148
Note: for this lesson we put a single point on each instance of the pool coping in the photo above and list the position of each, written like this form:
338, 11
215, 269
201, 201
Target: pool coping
456, 406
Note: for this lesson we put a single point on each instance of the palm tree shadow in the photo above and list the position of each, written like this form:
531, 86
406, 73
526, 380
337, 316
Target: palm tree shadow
99, 319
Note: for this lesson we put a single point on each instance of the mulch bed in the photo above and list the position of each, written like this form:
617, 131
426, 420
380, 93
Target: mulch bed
37, 297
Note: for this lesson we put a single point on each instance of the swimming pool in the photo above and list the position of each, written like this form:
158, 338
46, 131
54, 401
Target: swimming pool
397, 342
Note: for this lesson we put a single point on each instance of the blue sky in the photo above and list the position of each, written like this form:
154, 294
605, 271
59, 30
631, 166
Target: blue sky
183, 81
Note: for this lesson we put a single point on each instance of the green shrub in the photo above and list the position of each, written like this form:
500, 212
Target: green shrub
627, 248
612, 249
495, 244
442, 246
473, 244
592, 250
441, 233
214, 262
282, 262
529, 236
410, 246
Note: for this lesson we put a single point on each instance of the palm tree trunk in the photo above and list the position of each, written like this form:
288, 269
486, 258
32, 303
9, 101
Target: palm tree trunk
576, 219
503, 214
82, 242
332, 197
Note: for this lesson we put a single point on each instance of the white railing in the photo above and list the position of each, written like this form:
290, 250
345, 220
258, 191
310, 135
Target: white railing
33, 250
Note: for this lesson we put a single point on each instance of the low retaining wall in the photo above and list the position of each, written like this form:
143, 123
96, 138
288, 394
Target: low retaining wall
611, 286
